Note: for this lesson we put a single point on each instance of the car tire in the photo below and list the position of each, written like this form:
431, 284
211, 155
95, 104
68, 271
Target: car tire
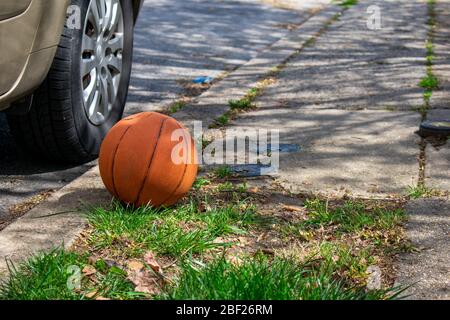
60, 125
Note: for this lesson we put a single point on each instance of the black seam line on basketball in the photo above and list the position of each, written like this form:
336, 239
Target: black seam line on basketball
151, 161
181, 180
116, 193
114, 161
115, 155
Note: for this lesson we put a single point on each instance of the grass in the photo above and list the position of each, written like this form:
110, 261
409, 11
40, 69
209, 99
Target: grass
175, 232
46, 277
176, 106
310, 42
200, 240
229, 187
346, 3
263, 279
247, 101
421, 191
223, 172
430, 82
201, 182
341, 258
205, 143
432, 13
430, 53
225, 187
223, 120
225, 241
242, 104
351, 216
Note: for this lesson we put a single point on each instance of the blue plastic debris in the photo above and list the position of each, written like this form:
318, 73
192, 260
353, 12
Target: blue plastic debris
289, 148
203, 80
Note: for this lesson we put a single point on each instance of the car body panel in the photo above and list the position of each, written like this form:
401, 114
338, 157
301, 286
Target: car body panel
12, 8
27, 46
30, 31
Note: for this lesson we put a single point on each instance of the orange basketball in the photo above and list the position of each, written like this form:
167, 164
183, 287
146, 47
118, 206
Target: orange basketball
148, 159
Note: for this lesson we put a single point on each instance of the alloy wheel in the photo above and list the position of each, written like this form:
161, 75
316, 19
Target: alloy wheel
101, 58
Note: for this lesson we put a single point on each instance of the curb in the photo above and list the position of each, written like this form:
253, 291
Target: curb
59, 220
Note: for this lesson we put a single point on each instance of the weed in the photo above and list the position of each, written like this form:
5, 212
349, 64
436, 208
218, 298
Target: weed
201, 182
242, 104
225, 187
223, 120
347, 3
223, 172
177, 106
429, 82
421, 191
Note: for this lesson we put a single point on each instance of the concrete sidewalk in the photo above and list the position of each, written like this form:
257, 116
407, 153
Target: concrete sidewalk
428, 270
349, 101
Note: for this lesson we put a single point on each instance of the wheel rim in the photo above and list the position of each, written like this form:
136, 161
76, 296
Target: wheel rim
101, 58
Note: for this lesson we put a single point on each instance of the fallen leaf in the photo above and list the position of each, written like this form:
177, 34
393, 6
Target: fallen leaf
135, 265
219, 240
144, 281
292, 208
254, 190
242, 241
102, 299
236, 261
261, 237
150, 259
89, 270
91, 294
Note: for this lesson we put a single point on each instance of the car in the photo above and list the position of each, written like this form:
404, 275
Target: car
66, 67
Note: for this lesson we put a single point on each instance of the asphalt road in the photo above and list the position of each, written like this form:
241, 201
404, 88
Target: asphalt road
175, 40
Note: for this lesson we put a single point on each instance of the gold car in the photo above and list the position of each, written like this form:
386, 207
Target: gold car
65, 70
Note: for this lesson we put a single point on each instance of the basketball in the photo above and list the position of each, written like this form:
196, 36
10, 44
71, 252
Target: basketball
148, 159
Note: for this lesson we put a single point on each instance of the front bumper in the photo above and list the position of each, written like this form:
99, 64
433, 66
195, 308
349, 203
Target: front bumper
28, 43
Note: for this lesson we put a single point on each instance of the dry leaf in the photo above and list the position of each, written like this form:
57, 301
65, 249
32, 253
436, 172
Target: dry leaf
242, 241
219, 240
144, 281
236, 261
292, 208
102, 299
91, 294
261, 237
135, 265
150, 259
89, 270
254, 190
